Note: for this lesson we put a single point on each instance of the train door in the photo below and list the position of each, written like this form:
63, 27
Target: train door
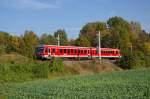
49, 52
53, 51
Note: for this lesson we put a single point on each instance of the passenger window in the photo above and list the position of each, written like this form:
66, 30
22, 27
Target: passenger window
49, 50
75, 51
81, 51
65, 51
46, 50
88, 52
78, 51
85, 51
60, 50
116, 52
71, 50
68, 51
53, 50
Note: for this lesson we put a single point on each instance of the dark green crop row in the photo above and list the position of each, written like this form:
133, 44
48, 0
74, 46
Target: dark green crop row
134, 84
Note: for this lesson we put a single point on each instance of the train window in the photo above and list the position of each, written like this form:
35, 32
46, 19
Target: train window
53, 50
88, 51
81, 51
116, 52
85, 51
78, 51
49, 50
112, 52
75, 51
106, 52
46, 50
68, 51
71, 50
60, 50
65, 51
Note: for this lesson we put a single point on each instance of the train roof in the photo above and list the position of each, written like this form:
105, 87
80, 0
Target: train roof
75, 47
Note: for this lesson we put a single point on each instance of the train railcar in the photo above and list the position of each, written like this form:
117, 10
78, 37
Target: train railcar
50, 51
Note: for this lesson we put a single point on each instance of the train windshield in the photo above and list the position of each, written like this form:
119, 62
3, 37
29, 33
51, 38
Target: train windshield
39, 49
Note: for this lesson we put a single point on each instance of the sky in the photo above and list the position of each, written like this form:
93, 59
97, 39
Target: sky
46, 16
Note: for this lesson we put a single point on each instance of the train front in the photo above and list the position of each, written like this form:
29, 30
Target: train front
39, 53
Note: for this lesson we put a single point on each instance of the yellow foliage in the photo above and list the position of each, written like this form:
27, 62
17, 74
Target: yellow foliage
147, 47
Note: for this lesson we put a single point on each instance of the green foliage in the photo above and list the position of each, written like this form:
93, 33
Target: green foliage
47, 39
2, 49
12, 72
63, 36
138, 60
83, 41
40, 70
90, 31
118, 85
31, 41
56, 65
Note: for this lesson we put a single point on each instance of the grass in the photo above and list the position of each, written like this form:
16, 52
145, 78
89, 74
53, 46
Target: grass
117, 85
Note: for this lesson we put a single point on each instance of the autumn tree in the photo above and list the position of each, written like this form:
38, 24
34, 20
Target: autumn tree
31, 41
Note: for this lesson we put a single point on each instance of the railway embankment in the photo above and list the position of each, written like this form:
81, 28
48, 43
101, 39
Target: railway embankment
85, 67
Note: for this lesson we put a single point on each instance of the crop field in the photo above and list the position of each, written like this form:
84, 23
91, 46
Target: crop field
133, 84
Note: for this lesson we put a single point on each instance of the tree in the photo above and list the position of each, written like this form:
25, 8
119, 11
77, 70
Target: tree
135, 30
4, 40
72, 42
83, 41
31, 41
47, 39
90, 31
63, 36
121, 31
138, 60
14, 43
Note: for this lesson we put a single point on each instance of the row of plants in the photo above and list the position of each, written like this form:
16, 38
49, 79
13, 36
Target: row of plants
118, 85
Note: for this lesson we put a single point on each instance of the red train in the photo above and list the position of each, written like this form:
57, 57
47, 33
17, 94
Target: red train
49, 51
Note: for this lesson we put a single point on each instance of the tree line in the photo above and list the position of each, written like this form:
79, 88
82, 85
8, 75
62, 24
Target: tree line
116, 32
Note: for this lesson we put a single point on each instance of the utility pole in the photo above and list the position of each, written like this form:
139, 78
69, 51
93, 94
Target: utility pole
58, 40
131, 47
99, 45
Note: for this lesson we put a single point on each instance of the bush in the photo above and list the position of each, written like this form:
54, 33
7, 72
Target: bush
40, 70
23, 72
2, 49
138, 60
56, 65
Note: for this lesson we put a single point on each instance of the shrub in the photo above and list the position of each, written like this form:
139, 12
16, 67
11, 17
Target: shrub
56, 65
23, 72
40, 70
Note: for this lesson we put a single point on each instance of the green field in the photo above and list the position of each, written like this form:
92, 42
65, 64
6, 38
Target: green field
133, 84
